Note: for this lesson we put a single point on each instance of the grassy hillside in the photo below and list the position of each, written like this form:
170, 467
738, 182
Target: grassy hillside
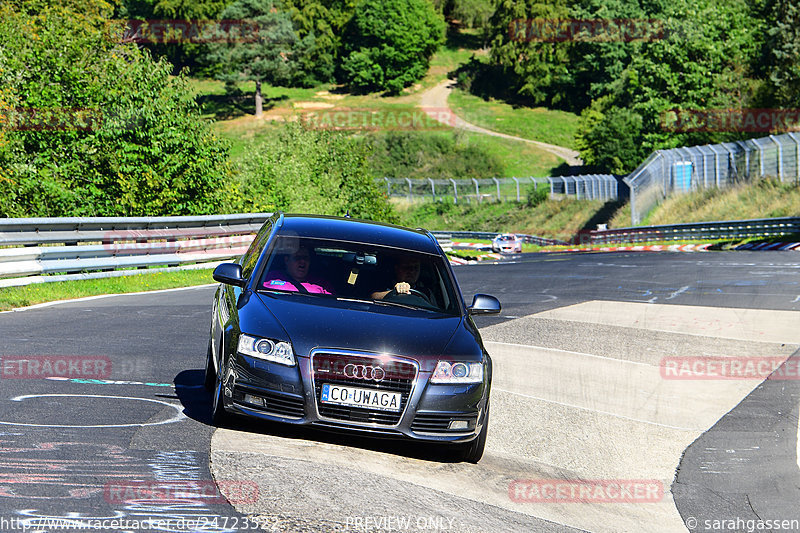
559, 219
765, 198
538, 124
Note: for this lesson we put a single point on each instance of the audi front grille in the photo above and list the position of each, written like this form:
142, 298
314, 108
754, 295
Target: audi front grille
341, 368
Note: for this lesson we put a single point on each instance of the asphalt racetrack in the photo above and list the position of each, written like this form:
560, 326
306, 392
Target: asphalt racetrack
597, 423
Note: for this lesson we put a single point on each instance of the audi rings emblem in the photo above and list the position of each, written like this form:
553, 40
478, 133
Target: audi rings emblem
374, 373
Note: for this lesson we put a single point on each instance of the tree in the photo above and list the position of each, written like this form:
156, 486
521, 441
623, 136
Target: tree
533, 67
326, 20
95, 127
694, 67
389, 43
783, 52
271, 54
311, 171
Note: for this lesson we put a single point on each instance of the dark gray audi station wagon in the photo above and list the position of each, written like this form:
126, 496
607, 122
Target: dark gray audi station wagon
353, 326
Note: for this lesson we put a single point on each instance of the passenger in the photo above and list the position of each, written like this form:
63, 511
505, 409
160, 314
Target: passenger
296, 277
406, 272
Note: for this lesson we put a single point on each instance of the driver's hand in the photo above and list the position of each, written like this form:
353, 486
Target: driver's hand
402, 287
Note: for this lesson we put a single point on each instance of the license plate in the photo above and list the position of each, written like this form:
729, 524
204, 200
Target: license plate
357, 397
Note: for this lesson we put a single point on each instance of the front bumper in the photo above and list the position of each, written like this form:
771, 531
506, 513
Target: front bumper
429, 412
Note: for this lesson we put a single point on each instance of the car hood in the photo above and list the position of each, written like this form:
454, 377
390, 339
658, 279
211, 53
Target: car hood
318, 322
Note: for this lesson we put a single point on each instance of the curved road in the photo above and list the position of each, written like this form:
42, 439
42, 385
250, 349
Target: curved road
434, 103
579, 396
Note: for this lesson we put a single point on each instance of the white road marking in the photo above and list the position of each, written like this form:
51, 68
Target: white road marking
592, 410
175, 418
676, 293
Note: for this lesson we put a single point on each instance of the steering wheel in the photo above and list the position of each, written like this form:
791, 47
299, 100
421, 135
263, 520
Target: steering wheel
412, 292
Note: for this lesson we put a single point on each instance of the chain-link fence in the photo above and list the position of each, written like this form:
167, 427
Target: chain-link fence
679, 170
590, 187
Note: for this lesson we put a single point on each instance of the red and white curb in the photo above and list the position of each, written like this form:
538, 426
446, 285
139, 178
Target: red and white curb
641, 248
461, 261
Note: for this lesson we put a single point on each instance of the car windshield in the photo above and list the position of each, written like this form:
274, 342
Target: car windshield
358, 271
506, 238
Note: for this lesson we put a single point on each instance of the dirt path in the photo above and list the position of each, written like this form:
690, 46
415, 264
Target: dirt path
434, 103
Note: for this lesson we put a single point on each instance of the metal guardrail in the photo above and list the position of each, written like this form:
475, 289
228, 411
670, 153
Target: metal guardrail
36, 250
729, 229
530, 239
59, 249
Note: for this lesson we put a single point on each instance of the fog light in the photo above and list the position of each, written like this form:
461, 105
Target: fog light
255, 400
459, 424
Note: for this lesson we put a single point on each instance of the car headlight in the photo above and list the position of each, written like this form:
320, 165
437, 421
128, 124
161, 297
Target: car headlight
447, 372
267, 349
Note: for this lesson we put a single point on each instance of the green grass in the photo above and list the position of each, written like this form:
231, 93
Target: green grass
537, 124
766, 198
13, 297
558, 219
519, 158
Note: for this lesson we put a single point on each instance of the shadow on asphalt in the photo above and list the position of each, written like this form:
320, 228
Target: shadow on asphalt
196, 403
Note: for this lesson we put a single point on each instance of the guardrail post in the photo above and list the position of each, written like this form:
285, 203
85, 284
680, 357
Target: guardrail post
410, 194
477, 191
796, 156
433, 189
780, 156
497, 184
388, 187
455, 191
716, 166
517, 182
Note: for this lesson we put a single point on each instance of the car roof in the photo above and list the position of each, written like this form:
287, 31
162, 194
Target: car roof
357, 230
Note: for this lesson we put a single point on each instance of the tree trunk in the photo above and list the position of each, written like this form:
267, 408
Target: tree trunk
259, 100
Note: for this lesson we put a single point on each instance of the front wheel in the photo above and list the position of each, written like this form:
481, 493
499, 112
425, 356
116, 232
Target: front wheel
218, 414
473, 451
211, 373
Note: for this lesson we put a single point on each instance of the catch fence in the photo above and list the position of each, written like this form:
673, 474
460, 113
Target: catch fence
681, 170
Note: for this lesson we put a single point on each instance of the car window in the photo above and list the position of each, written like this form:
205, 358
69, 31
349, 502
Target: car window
346, 270
250, 258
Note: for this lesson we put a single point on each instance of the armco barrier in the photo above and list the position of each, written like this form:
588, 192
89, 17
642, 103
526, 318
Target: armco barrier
35, 250
58, 249
730, 229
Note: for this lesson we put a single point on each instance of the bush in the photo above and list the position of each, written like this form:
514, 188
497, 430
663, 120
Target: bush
122, 136
310, 171
405, 154
389, 43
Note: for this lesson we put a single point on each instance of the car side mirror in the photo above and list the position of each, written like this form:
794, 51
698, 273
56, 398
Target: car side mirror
229, 274
483, 304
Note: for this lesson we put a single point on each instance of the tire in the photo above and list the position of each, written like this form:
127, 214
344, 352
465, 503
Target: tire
211, 374
219, 416
473, 451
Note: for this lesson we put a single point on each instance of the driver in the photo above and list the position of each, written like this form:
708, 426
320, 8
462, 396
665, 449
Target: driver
406, 272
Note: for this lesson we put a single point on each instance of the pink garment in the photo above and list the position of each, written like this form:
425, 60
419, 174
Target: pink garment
280, 281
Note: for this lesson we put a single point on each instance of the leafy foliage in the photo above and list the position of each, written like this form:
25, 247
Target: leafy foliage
389, 44
310, 171
122, 137
429, 155
782, 51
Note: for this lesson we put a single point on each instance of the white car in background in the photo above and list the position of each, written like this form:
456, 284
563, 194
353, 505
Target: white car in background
507, 243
